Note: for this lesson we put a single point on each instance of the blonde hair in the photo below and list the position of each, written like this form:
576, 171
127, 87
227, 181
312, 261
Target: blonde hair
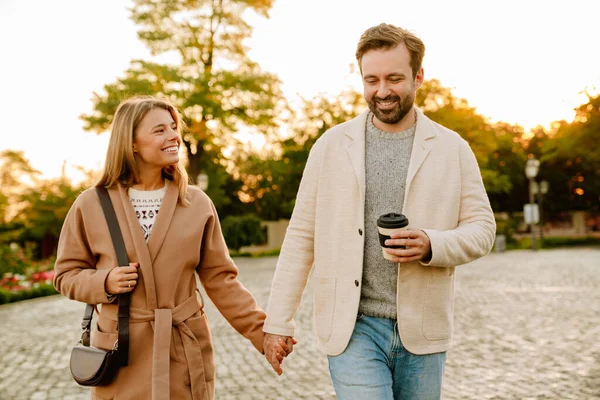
120, 166
386, 36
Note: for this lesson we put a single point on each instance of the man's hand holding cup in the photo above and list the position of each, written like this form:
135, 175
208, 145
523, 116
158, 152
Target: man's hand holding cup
401, 244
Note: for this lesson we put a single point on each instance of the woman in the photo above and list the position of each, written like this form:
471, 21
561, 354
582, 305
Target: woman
170, 231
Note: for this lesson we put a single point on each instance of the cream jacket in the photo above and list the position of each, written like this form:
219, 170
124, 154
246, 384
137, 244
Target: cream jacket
444, 196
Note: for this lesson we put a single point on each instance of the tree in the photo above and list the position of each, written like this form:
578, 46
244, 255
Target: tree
271, 180
439, 103
15, 173
568, 153
44, 208
43, 214
218, 89
507, 163
571, 160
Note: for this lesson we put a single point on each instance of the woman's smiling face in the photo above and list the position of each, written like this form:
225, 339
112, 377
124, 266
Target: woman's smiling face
156, 141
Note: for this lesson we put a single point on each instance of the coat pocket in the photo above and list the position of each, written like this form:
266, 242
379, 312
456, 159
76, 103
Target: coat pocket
103, 340
198, 324
324, 306
438, 308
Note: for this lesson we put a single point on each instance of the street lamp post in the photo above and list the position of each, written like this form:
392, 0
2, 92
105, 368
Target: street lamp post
543, 189
531, 170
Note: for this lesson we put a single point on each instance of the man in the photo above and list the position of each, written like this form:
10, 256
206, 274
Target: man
385, 325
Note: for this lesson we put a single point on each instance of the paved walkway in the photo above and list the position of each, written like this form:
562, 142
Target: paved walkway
527, 326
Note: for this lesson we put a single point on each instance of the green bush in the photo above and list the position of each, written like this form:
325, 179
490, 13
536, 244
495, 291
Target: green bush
506, 224
13, 261
36, 292
554, 242
242, 231
42, 290
234, 253
20, 295
47, 290
268, 253
256, 254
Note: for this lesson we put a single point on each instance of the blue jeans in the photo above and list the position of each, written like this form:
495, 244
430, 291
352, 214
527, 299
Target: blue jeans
375, 366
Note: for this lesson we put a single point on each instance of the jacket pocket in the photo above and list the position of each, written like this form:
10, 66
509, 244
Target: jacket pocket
103, 340
198, 324
324, 306
438, 308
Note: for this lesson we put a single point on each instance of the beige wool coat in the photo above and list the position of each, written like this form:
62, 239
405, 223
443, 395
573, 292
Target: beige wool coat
171, 352
444, 196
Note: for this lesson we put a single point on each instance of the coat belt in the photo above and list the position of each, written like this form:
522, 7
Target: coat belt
165, 321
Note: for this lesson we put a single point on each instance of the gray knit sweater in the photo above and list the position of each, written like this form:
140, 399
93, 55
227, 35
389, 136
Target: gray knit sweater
386, 166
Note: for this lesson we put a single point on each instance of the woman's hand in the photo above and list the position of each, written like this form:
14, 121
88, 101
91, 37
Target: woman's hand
276, 348
122, 279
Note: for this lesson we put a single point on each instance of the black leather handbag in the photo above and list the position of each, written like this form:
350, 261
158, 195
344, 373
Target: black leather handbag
91, 366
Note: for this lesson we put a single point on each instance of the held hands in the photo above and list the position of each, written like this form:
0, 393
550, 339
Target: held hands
276, 348
419, 246
122, 279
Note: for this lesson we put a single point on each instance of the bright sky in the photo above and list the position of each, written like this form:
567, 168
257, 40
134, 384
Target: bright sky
519, 61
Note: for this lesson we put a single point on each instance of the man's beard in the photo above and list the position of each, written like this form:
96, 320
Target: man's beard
394, 115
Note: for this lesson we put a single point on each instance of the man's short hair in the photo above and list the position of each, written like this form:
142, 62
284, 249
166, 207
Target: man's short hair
386, 36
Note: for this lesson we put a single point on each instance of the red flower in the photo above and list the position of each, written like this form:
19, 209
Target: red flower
47, 275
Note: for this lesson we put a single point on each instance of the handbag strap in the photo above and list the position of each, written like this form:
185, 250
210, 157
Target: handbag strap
123, 299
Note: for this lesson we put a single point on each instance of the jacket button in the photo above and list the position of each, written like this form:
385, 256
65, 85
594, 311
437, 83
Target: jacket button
360, 232
356, 283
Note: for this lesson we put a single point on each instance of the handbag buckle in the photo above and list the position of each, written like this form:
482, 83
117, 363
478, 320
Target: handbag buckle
116, 345
84, 331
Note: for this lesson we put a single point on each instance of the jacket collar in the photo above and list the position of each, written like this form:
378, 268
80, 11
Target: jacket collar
421, 148
355, 145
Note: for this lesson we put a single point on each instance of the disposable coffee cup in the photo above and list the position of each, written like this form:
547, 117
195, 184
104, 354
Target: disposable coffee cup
388, 224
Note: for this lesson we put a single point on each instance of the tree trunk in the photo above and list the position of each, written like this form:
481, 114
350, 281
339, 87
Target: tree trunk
195, 162
49, 245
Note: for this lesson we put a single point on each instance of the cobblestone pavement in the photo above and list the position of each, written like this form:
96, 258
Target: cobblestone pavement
527, 326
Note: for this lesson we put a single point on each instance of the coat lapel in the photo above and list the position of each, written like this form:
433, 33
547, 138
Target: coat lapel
355, 133
163, 220
124, 211
421, 148
355, 146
